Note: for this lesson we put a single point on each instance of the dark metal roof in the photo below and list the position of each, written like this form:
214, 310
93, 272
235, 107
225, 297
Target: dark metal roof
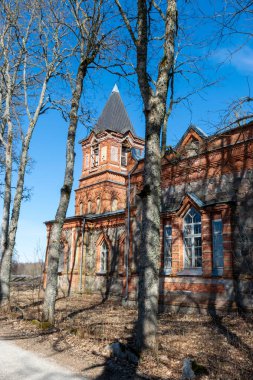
114, 115
174, 203
90, 216
196, 199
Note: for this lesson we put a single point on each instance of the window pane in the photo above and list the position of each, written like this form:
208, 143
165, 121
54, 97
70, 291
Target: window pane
218, 260
188, 242
188, 219
192, 239
188, 229
188, 257
197, 218
103, 257
167, 247
198, 262
167, 231
197, 242
197, 229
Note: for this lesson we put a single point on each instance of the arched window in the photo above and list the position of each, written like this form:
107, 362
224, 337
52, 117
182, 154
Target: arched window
98, 206
103, 257
94, 155
81, 208
89, 207
192, 239
114, 204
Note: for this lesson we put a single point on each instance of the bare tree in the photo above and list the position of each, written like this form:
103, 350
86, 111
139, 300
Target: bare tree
231, 21
88, 23
154, 92
30, 57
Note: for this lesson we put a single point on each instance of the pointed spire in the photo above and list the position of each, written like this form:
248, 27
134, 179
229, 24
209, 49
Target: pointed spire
114, 115
115, 88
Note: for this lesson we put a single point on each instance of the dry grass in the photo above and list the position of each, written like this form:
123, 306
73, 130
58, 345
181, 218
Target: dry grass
222, 347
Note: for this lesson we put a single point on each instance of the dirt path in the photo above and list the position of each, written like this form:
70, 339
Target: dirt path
19, 364
222, 346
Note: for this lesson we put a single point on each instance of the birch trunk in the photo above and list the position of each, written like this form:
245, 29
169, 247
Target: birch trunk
4, 265
8, 174
55, 236
7, 253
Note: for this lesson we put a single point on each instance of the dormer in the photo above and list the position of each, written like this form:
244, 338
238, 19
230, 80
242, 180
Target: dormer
191, 142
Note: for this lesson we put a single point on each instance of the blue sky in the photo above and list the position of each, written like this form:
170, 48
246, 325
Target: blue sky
235, 77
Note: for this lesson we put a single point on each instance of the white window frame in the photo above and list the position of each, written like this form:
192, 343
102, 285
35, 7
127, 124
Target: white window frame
98, 205
167, 253
217, 269
89, 207
103, 260
95, 156
192, 236
114, 206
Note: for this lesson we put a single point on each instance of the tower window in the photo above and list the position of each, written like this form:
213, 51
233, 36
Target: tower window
89, 207
114, 204
98, 205
95, 156
124, 156
114, 153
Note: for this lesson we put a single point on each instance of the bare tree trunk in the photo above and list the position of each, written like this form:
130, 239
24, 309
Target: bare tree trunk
55, 236
5, 267
154, 98
7, 253
7, 184
150, 243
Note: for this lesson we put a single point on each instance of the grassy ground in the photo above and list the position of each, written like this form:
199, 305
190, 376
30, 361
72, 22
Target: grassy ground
222, 346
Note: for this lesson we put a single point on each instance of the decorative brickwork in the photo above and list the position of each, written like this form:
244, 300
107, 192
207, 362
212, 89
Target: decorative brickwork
210, 262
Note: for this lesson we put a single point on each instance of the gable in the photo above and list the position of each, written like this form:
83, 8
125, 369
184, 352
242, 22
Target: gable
193, 135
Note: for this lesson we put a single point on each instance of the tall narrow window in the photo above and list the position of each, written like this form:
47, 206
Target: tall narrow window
98, 206
81, 208
87, 160
124, 156
218, 258
114, 204
89, 207
114, 153
167, 253
104, 153
192, 239
103, 258
94, 155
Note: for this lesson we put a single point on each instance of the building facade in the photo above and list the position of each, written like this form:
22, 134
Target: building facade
206, 217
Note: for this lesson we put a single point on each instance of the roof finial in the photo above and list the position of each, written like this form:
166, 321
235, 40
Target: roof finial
115, 88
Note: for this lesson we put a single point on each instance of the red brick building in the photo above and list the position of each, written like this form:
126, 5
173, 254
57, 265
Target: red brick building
206, 216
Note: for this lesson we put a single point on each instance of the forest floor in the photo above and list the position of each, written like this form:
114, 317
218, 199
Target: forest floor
221, 347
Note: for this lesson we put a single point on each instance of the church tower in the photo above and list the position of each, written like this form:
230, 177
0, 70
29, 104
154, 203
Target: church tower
107, 159
95, 238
